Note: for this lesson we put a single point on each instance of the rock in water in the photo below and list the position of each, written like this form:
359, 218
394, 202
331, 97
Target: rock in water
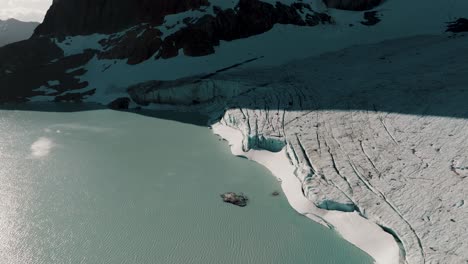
233, 198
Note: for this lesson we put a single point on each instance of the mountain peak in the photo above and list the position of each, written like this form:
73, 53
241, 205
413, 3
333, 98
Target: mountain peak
81, 17
12, 30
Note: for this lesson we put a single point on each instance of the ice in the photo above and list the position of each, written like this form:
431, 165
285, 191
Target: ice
399, 20
376, 128
351, 118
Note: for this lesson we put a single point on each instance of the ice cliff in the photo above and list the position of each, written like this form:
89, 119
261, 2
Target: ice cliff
361, 103
377, 129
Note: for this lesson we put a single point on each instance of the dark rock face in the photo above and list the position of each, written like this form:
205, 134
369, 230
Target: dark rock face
120, 103
355, 5
370, 18
40, 60
198, 38
236, 199
81, 17
27, 53
460, 25
136, 45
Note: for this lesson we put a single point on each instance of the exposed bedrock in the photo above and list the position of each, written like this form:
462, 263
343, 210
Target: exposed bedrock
135, 45
82, 17
356, 5
234, 198
121, 103
371, 18
460, 25
40, 60
198, 37
27, 53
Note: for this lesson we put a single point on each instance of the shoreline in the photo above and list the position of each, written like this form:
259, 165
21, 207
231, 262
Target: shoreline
381, 247
363, 233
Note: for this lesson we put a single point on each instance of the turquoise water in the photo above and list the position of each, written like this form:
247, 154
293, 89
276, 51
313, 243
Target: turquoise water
111, 187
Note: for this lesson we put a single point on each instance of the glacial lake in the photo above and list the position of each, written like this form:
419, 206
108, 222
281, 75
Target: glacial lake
103, 186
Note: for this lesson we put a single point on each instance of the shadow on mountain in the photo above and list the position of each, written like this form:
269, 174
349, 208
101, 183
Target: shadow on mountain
193, 118
420, 76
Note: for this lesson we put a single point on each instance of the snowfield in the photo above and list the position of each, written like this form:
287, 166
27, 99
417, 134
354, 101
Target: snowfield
111, 78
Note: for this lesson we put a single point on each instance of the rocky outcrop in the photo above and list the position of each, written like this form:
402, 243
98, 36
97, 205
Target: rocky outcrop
460, 25
120, 103
82, 17
27, 53
355, 5
251, 17
234, 198
40, 60
371, 18
198, 37
136, 45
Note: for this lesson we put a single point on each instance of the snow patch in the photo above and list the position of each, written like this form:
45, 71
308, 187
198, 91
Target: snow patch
78, 44
45, 90
53, 83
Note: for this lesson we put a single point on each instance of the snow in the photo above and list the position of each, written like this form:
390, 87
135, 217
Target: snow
399, 19
381, 126
78, 44
53, 83
371, 116
224, 4
45, 90
41, 98
376, 124
364, 234
173, 23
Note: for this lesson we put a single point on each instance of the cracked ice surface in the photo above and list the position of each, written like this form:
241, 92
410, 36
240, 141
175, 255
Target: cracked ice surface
380, 129
383, 128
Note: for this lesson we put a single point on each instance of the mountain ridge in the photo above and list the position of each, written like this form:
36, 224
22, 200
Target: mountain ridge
13, 30
78, 17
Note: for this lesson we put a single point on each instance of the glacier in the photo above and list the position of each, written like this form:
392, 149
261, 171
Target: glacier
365, 127
376, 132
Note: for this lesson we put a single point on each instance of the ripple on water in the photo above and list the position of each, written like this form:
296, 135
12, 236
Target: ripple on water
114, 187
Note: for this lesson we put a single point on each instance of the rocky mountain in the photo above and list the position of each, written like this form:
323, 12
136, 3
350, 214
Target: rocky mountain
363, 100
13, 30
74, 17
353, 5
